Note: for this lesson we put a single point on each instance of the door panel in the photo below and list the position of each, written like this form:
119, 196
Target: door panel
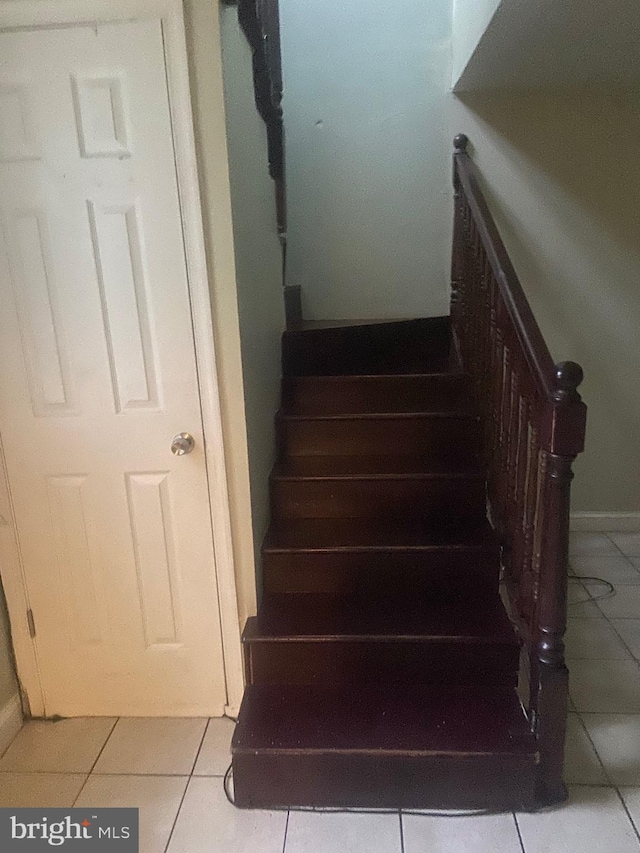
97, 375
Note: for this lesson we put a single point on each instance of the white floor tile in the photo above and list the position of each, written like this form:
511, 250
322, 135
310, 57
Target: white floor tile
39, 790
487, 834
581, 764
207, 823
68, 746
157, 797
629, 630
616, 570
593, 639
310, 832
624, 605
617, 741
593, 820
611, 686
629, 543
591, 543
155, 745
631, 797
215, 753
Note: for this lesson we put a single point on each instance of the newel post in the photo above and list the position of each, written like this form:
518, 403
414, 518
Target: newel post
566, 425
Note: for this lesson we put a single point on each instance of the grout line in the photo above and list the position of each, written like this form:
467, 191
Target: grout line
628, 813
597, 754
401, 832
199, 750
82, 787
608, 713
286, 829
515, 820
91, 773
615, 631
175, 820
615, 544
106, 741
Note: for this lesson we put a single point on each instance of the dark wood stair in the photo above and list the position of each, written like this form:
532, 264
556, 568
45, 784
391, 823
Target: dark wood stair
381, 668
382, 747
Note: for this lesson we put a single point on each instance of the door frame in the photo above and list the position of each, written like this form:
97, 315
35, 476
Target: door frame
44, 14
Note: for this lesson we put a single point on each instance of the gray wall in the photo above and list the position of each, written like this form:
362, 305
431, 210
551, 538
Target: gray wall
365, 104
565, 193
258, 263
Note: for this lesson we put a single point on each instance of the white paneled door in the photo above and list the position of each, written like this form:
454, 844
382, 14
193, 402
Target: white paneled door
98, 374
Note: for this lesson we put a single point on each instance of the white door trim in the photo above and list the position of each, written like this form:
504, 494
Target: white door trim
47, 13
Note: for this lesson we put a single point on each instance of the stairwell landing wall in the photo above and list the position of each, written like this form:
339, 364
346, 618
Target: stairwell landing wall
562, 181
366, 94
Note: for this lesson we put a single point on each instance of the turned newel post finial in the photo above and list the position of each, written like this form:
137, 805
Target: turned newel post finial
569, 375
460, 143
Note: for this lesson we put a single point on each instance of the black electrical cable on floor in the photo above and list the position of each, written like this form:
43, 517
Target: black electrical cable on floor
611, 591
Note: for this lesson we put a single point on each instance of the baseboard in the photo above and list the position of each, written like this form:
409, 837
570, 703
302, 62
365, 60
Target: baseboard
10, 721
597, 522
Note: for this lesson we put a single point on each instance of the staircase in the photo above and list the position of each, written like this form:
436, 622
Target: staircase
381, 668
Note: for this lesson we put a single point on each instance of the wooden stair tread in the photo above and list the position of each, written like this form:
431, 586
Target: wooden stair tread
331, 618
323, 534
415, 720
375, 467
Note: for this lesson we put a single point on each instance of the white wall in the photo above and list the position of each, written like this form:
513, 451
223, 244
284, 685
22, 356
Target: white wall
470, 19
258, 257
560, 173
245, 270
365, 104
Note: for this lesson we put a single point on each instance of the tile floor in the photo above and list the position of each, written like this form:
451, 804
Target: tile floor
172, 769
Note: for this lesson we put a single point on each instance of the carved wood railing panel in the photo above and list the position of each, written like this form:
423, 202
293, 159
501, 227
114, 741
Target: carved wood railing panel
533, 426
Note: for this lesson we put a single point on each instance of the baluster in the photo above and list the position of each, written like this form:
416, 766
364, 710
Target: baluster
531, 556
519, 493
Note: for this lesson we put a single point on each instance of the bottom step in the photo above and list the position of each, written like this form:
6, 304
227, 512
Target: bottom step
419, 748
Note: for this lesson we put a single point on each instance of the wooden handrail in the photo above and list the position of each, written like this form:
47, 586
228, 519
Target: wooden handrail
533, 425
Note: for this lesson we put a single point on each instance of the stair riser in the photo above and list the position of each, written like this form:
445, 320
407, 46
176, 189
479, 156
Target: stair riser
440, 437
338, 662
367, 349
313, 395
441, 498
446, 574
336, 780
